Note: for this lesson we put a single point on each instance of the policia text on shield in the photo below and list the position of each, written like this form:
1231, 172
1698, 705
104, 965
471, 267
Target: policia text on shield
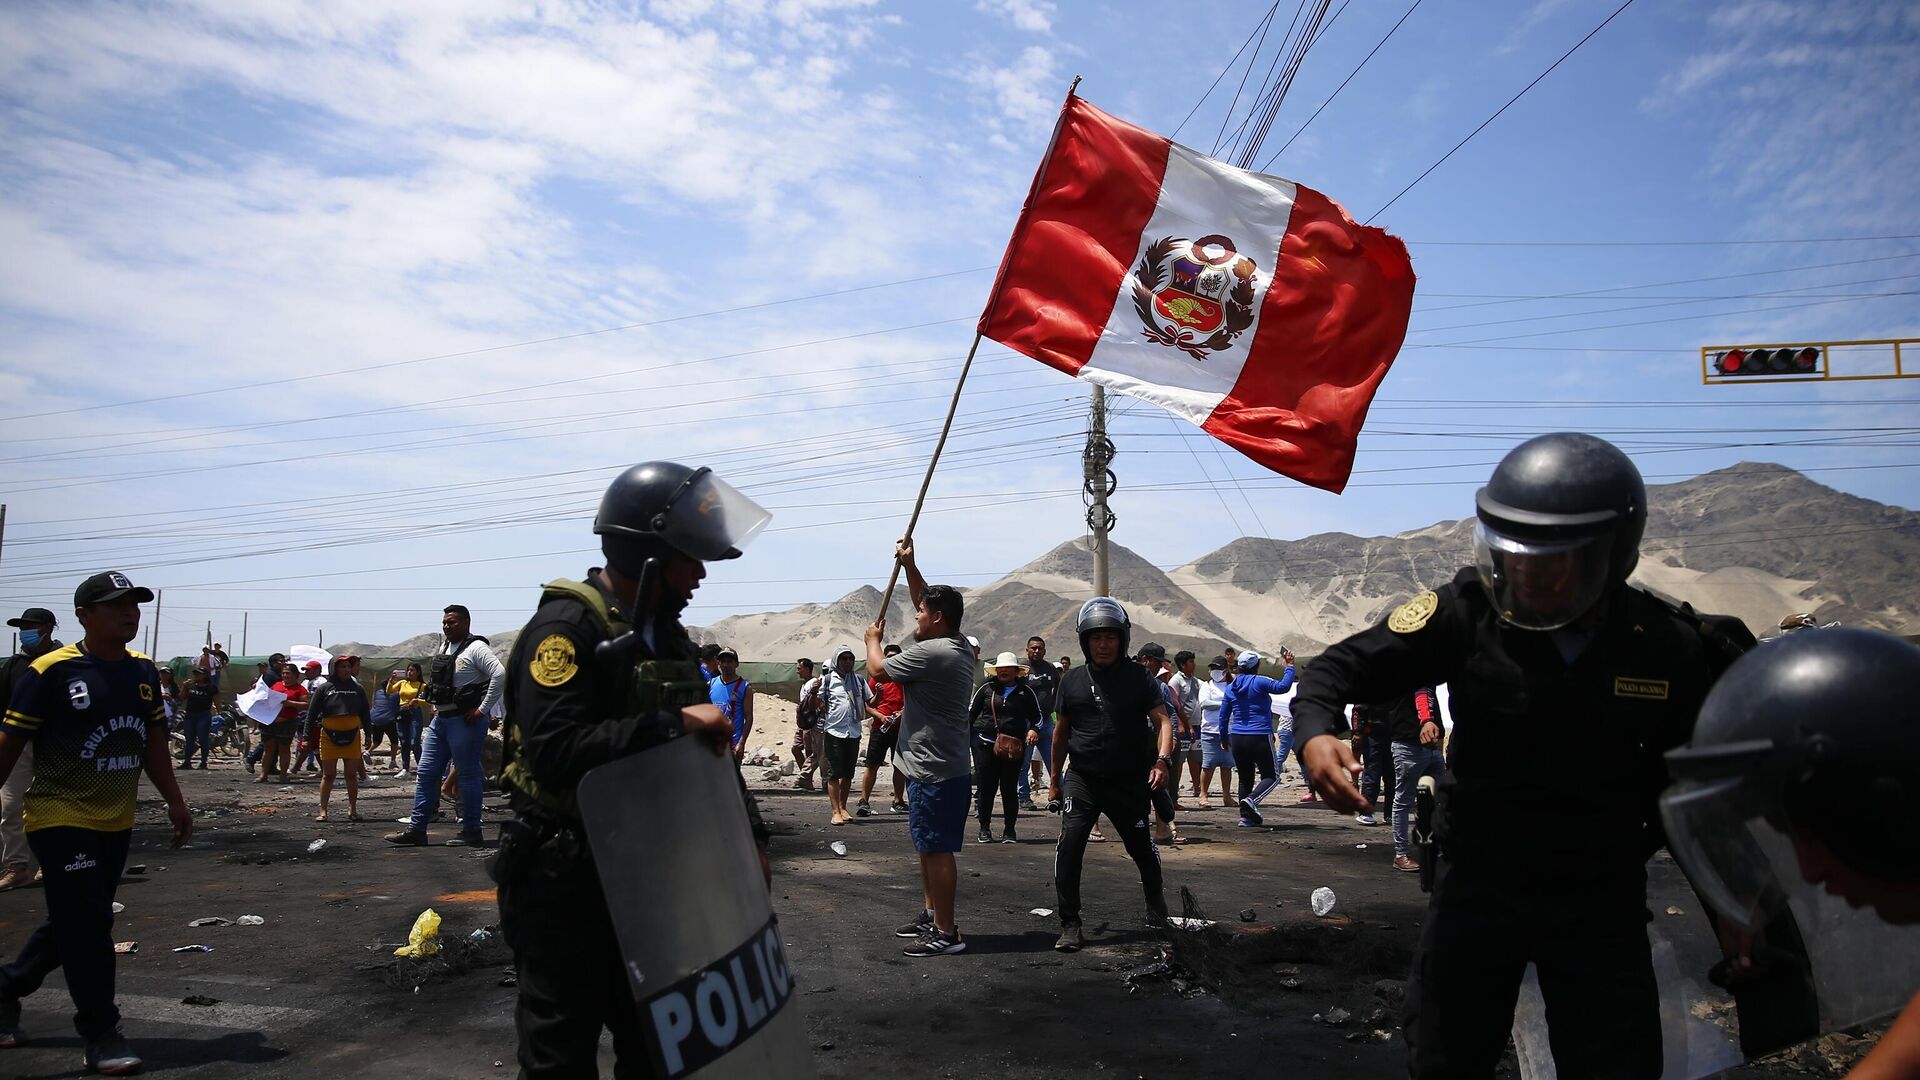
603, 671
1545, 648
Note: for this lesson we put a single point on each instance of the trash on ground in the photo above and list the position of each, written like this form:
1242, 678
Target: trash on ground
137, 868
1160, 967
211, 921
118, 907
314, 848
1335, 1017
194, 948
250, 920
424, 939
1675, 911
126, 948
1359, 847
199, 999
838, 847
482, 935
1322, 900
1291, 984
1181, 922
1043, 912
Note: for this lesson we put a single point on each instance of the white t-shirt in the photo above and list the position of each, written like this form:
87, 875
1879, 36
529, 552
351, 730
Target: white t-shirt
846, 699
1211, 695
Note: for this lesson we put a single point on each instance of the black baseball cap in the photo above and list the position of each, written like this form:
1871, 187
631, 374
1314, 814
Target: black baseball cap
34, 616
1153, 650
111, 585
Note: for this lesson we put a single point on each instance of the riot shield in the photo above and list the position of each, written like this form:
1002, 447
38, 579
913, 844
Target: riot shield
703, 951
1824, 967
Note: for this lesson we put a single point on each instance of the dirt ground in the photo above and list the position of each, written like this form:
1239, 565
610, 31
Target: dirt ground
315, 990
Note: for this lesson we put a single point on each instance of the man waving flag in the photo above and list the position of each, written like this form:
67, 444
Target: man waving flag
1244, 303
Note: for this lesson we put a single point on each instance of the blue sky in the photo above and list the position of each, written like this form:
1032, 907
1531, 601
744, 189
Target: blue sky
203, 197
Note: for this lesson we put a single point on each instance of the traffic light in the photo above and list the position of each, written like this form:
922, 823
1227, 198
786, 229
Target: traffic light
1781, 360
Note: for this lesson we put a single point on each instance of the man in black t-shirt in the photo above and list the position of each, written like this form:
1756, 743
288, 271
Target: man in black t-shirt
197, 711
1044, 679
1111, 724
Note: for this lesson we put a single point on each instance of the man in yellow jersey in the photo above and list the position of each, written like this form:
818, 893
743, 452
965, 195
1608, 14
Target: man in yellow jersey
92, 714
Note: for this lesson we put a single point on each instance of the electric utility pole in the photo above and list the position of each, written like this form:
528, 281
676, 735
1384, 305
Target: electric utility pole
1098, 486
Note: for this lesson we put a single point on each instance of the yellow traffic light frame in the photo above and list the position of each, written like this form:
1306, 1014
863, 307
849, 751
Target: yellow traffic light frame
1709, 377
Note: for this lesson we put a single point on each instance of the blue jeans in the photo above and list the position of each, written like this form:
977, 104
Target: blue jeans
1044, 748
1411, 761
199, 730
1283, 745
450, 741
406, 733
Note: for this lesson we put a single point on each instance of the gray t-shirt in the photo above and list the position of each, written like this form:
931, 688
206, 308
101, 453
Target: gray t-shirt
937, 678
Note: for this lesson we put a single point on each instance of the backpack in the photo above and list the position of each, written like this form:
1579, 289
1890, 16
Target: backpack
813, 704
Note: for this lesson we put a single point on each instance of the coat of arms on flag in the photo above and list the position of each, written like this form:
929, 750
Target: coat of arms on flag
1194, 295
1247, 304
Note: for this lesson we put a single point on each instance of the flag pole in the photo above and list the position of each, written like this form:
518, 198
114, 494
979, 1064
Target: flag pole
953, 407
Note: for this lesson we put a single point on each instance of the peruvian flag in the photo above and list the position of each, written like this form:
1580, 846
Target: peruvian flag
1244, 303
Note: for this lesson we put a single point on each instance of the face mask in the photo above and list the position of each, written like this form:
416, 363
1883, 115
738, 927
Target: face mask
1217, 675
31, 639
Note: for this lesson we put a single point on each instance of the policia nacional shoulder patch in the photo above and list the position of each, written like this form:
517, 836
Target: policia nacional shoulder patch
553, 661
1414, 614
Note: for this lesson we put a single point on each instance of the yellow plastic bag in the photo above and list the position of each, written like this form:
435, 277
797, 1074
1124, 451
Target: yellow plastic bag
424, 940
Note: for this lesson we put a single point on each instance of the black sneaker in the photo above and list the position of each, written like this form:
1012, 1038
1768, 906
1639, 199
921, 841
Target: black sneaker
468, 839
111, 1056
920, 927
938, 943
1070, 939
863, 810
1008, 837
1250, 815
898, 808
11, 1034
408, 838
985, 837
1028, 807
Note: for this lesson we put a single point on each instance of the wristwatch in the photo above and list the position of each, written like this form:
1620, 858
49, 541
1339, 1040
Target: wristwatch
1165, 760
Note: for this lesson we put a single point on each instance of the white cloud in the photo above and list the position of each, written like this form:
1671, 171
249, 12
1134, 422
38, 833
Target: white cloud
1034, 15
1025, 93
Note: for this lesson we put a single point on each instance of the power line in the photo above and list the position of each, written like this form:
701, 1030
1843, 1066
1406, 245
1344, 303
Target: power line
1343, 85
1223, 71
1501, 109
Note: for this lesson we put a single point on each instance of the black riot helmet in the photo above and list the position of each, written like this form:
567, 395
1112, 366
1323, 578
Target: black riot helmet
1809, 738
1560, 522
1102, 613
661, 506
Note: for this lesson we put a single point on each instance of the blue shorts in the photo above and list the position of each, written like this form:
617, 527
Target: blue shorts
937, 814
1214, 754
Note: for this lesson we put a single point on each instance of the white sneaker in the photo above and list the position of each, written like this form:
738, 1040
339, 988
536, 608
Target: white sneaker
1366, 819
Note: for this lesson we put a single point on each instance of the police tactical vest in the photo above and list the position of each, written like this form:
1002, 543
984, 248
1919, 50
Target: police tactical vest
651, 687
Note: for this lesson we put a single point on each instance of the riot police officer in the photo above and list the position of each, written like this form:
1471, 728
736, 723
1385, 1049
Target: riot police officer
1801, 775
603, 670
1567, 686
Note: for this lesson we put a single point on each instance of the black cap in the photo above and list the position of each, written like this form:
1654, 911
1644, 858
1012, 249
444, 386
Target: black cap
34, 616
1153, 650
111, 585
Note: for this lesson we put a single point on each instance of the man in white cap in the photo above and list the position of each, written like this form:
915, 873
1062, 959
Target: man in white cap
36, 639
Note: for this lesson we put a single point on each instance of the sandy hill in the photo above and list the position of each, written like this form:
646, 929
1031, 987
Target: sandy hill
1754, 540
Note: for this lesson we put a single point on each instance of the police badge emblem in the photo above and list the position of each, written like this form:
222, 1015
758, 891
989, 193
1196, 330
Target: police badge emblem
1194, 295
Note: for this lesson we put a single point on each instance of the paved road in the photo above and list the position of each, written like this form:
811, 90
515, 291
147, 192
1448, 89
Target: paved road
312, 991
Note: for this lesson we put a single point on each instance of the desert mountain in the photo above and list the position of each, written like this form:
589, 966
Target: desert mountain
1754, 540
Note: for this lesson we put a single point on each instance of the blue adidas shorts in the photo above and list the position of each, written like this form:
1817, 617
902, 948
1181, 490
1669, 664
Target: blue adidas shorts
937, 814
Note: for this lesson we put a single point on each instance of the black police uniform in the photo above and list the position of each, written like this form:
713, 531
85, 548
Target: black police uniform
1111, 745
568, 712
1546, 818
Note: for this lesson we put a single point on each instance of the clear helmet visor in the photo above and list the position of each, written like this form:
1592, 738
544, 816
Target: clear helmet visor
1542, 584
710, 519
1732, 848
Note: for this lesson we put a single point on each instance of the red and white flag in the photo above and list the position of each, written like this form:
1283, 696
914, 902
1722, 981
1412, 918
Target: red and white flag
1243, 303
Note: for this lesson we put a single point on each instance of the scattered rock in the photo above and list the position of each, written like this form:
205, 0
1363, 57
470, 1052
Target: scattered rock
199, 999
1246, 915
826, 1046
788, 768
1391, 992
1675, 910
250, 920
1323, 901
1291, 984
771, 776
1334, 1017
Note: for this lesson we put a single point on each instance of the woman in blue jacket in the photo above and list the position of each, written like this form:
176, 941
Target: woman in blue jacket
1246, 715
